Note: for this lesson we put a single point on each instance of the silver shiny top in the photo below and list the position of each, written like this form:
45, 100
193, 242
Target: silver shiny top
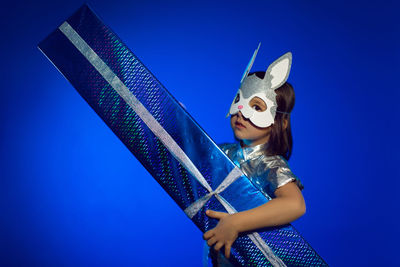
267, 173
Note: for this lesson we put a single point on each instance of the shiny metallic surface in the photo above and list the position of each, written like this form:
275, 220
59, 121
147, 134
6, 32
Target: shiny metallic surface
146, 140
267, 173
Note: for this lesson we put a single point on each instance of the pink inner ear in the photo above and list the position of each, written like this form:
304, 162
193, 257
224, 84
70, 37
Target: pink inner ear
240, 107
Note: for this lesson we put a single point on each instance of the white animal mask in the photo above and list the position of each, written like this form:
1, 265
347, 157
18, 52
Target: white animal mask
252, 86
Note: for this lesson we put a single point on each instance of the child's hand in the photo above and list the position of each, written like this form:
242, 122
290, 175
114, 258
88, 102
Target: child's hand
224, 234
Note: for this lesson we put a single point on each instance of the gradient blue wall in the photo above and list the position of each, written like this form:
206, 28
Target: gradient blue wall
71, 194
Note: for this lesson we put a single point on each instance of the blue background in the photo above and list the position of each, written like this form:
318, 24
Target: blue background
71, 194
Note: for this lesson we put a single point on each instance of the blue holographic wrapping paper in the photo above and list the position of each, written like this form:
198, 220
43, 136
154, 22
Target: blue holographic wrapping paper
213, 164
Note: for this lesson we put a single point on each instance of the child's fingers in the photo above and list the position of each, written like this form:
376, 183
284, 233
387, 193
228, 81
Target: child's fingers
218, 246
228, 250
207, 235
212, 241
216, 214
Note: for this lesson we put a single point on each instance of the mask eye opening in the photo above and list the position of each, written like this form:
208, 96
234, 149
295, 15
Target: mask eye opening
258, 104
237, 99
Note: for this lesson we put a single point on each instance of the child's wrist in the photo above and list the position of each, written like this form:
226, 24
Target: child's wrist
237, 222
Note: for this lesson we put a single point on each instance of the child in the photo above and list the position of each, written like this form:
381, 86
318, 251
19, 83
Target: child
260, 120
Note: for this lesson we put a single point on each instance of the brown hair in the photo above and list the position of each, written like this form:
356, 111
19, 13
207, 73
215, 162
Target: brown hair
280, 139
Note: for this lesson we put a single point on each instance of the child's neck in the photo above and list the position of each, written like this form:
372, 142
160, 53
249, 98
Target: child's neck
251, 143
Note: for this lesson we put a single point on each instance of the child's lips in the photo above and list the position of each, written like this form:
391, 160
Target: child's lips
239, 125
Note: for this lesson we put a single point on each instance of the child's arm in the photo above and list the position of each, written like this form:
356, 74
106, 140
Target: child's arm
286, 207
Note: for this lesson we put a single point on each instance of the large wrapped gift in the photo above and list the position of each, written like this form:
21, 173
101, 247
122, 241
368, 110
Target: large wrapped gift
165, 138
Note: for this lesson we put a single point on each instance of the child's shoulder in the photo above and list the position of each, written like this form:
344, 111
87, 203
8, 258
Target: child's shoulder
276, 161
279, 172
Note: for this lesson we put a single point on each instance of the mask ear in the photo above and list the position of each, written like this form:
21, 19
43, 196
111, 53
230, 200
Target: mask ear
248, 68
278, 72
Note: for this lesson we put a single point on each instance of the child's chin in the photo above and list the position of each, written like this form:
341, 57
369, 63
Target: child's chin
239, 135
